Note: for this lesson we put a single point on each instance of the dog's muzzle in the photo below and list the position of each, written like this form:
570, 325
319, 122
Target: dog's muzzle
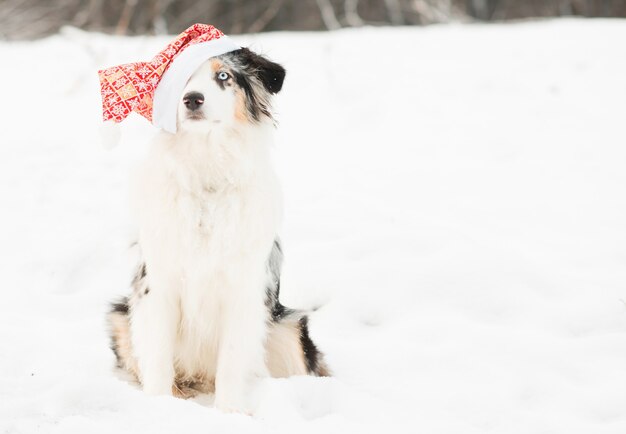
193, 100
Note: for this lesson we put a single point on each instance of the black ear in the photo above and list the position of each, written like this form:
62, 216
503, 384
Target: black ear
271, 74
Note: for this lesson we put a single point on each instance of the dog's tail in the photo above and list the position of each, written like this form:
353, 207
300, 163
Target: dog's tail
290, 349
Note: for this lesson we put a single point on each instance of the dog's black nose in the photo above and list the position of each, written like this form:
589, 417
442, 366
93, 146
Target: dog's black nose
193, 100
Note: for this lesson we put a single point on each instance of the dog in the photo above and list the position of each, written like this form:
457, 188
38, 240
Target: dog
204, 313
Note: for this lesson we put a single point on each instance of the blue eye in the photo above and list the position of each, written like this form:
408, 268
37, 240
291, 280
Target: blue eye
223, 76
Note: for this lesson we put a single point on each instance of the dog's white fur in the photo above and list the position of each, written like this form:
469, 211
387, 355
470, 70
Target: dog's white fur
208, 207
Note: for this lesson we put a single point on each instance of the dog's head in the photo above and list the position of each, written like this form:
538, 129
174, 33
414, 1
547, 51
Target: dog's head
229, 90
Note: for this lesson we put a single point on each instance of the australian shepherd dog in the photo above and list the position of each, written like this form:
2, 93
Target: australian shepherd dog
204, 313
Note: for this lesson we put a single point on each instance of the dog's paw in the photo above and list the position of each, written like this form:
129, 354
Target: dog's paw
231, 405
155, 389
183, 392
233, 410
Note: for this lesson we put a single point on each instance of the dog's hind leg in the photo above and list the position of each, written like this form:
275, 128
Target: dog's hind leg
119, 328
288, 347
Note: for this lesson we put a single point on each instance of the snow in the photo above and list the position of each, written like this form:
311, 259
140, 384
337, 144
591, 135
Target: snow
454, 208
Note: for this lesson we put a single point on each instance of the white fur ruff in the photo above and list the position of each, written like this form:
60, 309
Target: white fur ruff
208, 210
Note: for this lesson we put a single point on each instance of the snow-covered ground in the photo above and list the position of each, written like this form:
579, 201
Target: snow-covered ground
454, 205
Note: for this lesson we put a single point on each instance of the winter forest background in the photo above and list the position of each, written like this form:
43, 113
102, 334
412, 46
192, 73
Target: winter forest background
35, 18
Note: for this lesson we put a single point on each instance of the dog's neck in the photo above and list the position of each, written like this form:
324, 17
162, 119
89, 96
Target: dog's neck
220, 157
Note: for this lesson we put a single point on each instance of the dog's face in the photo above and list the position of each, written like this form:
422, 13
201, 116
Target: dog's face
229, 90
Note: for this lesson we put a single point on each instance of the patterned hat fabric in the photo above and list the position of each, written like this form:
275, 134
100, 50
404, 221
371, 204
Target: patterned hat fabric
132, 86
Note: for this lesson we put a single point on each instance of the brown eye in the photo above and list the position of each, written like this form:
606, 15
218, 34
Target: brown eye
223, 76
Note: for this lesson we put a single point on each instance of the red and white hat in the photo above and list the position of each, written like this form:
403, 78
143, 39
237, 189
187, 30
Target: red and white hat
154, 88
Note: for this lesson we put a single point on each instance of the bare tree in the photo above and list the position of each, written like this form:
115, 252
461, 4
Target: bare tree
352, 14
394, 9
23, 19
328, 14
124, 21
261, 23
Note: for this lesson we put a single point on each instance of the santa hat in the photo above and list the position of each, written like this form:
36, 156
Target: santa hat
154, 88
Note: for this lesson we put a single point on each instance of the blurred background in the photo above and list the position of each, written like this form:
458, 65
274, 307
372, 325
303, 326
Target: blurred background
29, 19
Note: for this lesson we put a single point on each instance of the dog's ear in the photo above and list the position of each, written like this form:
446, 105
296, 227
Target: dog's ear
270, 73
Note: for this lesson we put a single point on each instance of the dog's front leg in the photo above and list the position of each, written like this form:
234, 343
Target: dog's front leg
154, 323
241, 350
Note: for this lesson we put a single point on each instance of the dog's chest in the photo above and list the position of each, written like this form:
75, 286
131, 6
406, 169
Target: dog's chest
208, 207
205, 205
205, 208
204, 216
